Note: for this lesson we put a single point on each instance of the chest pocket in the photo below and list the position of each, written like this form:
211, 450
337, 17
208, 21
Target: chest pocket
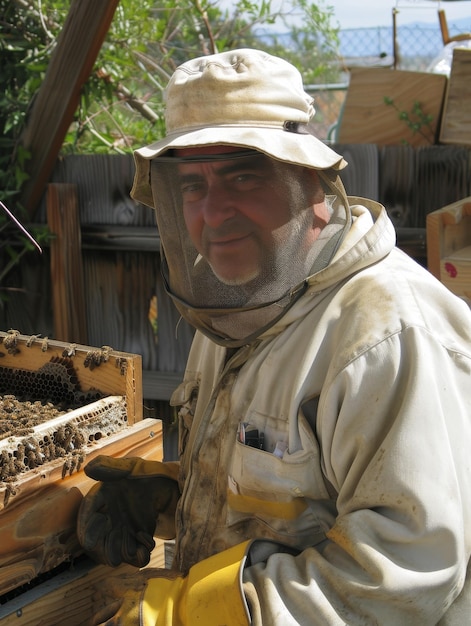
285, 492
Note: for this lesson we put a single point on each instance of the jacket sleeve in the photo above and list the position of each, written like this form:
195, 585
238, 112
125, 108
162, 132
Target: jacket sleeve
395, 433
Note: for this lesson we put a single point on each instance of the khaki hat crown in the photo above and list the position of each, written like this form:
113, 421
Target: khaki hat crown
247, 87
246, 98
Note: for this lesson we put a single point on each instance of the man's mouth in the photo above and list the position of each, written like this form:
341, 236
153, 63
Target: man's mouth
228, 240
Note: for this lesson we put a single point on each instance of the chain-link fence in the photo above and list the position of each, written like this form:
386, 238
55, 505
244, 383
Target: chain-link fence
415, 46
415, 49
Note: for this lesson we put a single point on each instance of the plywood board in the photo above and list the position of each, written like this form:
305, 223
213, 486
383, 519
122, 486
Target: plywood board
456, 122
367, 118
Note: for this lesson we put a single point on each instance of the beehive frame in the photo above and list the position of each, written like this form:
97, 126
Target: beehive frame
112, 372
38, 508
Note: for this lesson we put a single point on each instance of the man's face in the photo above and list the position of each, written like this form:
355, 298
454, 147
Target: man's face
237, 212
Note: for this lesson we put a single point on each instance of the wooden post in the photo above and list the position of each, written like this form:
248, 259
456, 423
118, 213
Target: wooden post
395, 46
443, 27
79, 43
68, 293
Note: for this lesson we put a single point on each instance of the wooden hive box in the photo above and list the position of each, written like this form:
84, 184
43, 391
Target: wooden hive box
39, 504
449, 246
456, 121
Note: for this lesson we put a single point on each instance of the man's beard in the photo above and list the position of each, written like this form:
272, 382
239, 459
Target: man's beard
286, 262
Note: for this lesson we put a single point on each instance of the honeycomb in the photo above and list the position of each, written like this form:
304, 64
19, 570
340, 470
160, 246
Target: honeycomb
55, 381
45, 415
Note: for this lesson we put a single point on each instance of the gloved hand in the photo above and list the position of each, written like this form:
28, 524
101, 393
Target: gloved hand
210, 595
118, 516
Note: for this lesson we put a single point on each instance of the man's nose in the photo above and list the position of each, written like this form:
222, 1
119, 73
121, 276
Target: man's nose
219, 205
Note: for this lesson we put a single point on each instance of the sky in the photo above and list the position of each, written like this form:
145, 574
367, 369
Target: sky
366, 13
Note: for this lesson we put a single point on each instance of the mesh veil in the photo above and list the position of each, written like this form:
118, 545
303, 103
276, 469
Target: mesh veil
233, 314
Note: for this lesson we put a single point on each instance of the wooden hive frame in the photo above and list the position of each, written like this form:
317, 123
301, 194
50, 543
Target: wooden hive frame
114, 373
38, 510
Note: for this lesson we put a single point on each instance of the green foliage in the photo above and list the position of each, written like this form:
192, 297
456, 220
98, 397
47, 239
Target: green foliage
121, 104
25, 41
416, 119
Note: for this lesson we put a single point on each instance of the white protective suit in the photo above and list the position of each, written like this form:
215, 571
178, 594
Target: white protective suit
362, 392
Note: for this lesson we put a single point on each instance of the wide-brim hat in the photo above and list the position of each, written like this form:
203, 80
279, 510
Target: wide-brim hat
245, 98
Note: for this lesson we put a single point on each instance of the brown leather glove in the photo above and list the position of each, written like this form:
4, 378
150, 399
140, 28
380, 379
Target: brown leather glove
118, 516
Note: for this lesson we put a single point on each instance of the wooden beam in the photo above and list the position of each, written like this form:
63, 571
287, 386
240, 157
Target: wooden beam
52, 113
67, 284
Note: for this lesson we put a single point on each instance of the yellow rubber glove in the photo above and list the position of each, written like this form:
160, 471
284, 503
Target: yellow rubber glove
117, 518
210, 595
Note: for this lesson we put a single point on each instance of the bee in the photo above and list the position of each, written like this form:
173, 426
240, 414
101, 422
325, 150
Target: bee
49, 451
32, 459
31, 340
7, 466
11, 340
80, 460
122, 364
9, 491
65, 436
69, 466
65, 468
92, 359
19, 458
73, 465
106, 352
79, 438
70, 350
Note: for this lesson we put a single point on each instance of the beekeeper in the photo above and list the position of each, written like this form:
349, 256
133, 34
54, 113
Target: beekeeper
325, 414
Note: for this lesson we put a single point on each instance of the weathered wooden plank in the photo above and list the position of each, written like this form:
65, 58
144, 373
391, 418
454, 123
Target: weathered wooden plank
456, 122
53, 109
366, 117
68, 295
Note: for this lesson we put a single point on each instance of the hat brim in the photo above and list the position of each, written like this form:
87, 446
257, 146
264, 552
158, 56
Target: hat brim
291, 147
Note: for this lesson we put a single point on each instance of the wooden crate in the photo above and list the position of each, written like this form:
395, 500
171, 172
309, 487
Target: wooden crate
366, 118
456, 121
38, 510
449, 246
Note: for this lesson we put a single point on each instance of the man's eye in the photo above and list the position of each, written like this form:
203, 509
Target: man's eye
192, 191
246, 180
190, 187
